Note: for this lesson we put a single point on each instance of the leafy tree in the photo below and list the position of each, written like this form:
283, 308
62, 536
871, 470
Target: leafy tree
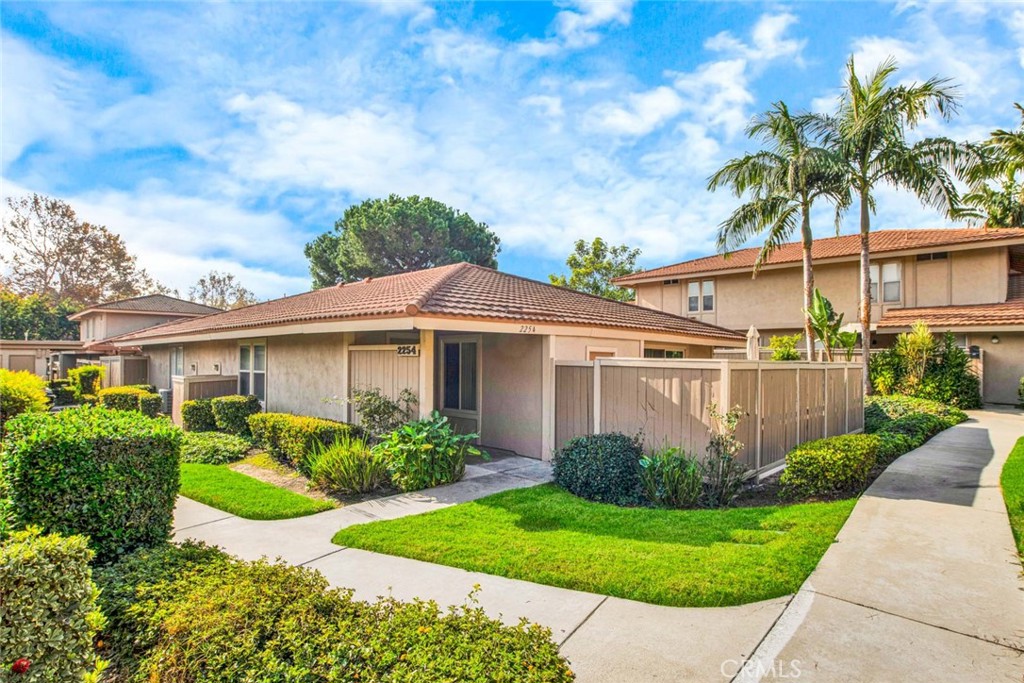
783, 347
593, 266
221, 290
397, 235
1001, 161
782, 182
35, 317
868, 132
825, 322
48, 251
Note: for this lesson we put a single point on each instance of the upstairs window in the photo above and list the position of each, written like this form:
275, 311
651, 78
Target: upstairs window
252, 370
937, 256
890, 281
708, 295
693, 297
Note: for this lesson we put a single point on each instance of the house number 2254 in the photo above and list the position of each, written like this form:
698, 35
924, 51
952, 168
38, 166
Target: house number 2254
527, 329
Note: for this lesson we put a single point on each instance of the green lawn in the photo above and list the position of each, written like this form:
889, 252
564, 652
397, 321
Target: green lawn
1012, 481
690, 558
233, 492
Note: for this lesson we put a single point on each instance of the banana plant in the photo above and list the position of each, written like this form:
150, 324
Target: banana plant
825, 322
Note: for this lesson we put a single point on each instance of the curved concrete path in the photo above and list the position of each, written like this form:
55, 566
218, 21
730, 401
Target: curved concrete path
922, 583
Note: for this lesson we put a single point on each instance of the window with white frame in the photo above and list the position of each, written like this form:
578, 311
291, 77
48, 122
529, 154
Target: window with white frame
889, 276
663, 353
460, 375
178, 361
707, 290
252, 370
693, 297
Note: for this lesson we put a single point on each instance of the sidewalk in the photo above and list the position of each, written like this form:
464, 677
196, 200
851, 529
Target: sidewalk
923, 582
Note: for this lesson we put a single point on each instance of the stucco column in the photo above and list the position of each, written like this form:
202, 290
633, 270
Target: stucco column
426, 395
547, 398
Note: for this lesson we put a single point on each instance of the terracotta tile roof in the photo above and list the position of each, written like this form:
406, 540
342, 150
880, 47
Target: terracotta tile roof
152, 303
881, 242
974, 315
456, 291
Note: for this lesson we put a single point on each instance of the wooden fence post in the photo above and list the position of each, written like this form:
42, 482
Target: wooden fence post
597, 395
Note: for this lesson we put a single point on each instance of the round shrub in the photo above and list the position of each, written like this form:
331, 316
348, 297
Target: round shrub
197, 416
231, 413
601, 467
86, 380
150, 404
48, 612
823, 467
879, 410
111, 475
257, 621
426, 453
293, 439
20, 392
122, 398
213, 448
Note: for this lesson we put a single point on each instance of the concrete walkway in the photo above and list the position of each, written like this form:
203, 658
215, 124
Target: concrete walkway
922, 583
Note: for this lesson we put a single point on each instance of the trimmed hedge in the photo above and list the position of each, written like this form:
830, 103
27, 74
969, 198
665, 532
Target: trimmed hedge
231, 413
48, 613
291, 439
823, 467
197, 416
86, 380
131, 398
181, 614
20, 392
109, 474
212, 448
601, 467
63, 392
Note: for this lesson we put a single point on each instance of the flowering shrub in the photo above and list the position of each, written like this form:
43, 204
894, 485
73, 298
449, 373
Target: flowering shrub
48, 614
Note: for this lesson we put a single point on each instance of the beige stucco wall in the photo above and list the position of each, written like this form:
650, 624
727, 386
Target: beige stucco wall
512, 386
1003, 365
575, 348
302, 370
774, 300
120, 323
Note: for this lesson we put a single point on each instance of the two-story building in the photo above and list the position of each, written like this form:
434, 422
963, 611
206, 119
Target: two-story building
966, 281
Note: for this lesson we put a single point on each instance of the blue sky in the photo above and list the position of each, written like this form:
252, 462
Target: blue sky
227, 135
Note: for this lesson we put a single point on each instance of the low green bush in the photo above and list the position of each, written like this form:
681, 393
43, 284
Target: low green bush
892, 445
131, 398
349, 465
380, 414
63, 392
150, 404
824, 467
189, 616
426, 453
231, 413
111, 475
292, 439
784, 346
20, 392
197, 415
724, 475
879, 410
671, 478
213, 448
1020, 393
86, 380
919, 366
48, 613
601, 467
145, 388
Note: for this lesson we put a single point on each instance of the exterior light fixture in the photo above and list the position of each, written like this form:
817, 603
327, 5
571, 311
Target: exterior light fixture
995, 338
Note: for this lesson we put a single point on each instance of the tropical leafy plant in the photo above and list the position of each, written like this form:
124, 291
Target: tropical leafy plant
825, 322
782, 184
426, 453
915, 347
848, 343
380, 414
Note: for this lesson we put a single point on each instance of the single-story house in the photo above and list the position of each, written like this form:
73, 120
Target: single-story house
475, 344
33, 355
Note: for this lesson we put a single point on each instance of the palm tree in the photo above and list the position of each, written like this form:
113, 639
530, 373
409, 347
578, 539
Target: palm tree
783, 182
1000, 159
868, 131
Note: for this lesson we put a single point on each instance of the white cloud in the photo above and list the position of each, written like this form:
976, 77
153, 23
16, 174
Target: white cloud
577, 26
717, 95
642, 113
767, 40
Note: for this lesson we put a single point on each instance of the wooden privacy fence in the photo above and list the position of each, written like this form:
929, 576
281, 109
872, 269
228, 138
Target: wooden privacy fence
668, 401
